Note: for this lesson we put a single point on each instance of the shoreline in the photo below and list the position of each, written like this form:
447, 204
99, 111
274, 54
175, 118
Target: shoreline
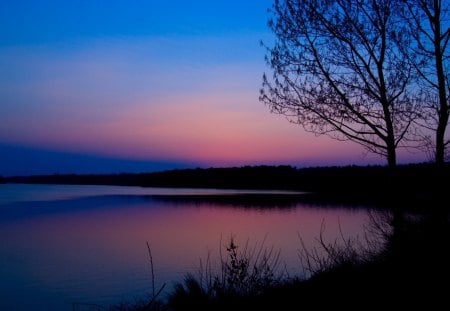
418, 187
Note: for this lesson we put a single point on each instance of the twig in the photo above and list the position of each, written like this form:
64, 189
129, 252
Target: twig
151, 266
154, 296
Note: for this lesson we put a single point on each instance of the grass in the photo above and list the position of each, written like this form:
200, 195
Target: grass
244, 275
402, 263
409, 271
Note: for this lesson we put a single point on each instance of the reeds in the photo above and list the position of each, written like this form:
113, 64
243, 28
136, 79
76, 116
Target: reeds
344, 251
246, 271
252, 276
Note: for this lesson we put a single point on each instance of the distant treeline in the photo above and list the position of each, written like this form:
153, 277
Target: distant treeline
349, 179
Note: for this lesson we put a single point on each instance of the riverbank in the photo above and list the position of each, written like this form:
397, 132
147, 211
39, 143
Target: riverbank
406, 186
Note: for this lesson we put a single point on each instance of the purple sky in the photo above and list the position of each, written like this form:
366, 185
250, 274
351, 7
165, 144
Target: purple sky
145, 85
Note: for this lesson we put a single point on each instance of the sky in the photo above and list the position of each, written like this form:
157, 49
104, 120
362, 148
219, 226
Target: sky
127, 86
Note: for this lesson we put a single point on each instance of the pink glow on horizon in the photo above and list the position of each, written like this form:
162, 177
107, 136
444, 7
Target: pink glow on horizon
213, 128
112, 99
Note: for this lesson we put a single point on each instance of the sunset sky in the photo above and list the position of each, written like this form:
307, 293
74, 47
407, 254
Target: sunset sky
113, 86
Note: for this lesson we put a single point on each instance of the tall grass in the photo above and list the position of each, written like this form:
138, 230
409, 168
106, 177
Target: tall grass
344, 251
340, 273
254, 278
244, 272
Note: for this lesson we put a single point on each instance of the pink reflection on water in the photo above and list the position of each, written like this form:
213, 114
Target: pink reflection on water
99, 254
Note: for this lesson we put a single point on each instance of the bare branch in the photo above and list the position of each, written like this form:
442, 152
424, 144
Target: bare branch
337, 71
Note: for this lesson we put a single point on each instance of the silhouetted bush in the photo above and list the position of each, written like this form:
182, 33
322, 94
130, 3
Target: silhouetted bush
244, 274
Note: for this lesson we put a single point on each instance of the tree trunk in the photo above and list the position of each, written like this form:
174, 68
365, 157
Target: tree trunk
443, 106
440, 137
390, 139
391, 155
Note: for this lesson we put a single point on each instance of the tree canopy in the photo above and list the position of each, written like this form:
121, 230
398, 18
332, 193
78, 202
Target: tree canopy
338, 70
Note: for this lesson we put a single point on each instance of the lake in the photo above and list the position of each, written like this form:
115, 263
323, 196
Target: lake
65, 246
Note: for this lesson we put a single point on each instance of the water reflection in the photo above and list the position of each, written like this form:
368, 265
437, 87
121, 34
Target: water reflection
91, 248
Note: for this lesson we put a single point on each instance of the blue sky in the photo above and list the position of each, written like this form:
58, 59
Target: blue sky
159, 84
41, 22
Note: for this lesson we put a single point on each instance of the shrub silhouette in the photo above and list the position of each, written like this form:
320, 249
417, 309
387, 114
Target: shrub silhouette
244, 274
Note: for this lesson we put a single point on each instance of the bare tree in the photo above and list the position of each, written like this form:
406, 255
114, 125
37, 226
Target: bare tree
337, 71
429, 23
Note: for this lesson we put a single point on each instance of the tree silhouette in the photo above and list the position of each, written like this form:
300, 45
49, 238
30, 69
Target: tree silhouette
429, 23
337, 70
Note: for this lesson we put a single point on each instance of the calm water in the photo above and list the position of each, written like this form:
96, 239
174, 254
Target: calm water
61, 245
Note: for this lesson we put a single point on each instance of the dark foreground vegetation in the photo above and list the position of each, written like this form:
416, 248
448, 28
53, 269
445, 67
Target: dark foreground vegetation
404, 267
